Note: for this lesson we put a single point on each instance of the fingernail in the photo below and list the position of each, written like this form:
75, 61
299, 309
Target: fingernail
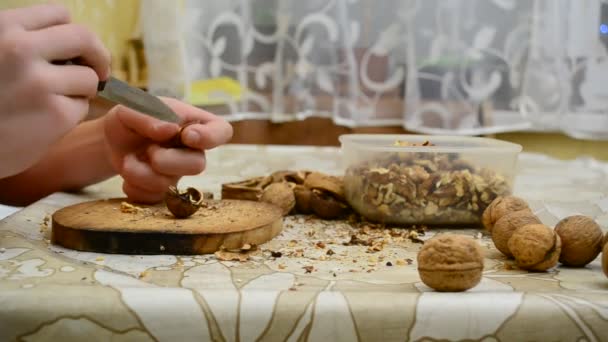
192, 137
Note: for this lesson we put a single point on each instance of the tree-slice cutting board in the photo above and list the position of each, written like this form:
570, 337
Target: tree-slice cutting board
104, 226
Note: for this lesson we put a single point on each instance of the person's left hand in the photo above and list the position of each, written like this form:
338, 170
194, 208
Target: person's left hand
134, 148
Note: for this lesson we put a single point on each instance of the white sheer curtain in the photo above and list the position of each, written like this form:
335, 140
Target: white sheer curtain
434, 66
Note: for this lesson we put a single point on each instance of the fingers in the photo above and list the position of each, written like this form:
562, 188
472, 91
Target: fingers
176, 162
70, 41
138, 195
144, 125
188, 112
73, 80
211, 132
36, 17
140, 175
127, 129
70, 110
207, 136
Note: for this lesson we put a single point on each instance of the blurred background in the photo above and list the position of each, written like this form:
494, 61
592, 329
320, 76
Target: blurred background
304, 72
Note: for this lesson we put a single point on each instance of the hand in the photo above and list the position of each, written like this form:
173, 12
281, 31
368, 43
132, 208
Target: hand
135, 148
41, 101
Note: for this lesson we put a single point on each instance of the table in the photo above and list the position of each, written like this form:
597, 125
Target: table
50, 293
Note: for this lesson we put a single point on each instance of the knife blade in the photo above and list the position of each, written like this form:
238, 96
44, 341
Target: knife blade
119, 92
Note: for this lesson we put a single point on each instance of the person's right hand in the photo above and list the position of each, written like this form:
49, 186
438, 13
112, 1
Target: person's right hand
39, 100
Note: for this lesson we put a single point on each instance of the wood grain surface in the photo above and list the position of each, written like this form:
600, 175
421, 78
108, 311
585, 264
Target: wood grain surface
101, 226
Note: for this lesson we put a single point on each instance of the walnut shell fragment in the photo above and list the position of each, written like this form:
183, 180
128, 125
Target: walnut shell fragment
507, 225
183, 204
296, 177
327, 183
581, 240
281, 195
535, 247
327, 207
450, 263
499, 207
250, 189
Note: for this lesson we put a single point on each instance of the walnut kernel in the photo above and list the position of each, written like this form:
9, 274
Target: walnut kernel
581, 240
535, 247
450, 262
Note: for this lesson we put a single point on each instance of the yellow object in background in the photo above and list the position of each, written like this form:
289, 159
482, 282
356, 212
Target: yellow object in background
215, 91
114, 21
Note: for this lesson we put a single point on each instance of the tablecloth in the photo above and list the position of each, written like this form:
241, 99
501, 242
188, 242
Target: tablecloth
51, 293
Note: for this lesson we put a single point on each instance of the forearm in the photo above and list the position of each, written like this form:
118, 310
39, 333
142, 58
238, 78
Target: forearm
77, 160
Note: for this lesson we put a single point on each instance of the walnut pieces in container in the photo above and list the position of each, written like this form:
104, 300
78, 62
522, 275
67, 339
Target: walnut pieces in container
448, 181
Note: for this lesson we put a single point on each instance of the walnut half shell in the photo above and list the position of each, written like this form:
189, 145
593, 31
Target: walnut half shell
183, 204
249, 190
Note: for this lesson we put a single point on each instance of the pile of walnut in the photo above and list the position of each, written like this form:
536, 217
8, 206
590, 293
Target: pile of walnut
518, 233
302, 192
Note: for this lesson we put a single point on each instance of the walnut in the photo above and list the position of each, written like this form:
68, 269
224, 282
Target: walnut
303, 196
507, 225
499, 207
450, 262
535, 247
326, 206
581, 240
281, 195
183, 204
605, 258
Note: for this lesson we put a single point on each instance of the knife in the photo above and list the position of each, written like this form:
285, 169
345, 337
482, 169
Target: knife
119, 92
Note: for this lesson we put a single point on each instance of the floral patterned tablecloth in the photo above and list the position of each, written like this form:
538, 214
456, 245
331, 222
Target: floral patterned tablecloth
51, 293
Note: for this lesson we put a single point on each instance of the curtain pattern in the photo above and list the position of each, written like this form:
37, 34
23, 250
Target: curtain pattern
434, 66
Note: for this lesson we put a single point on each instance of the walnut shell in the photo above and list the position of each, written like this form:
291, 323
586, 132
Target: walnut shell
327, 183
249, 189
499, 207
581, 240
535, 247
327, 207
303, 198
450, 262
296, 177
507, 225
605, 258
182, 204
281, 195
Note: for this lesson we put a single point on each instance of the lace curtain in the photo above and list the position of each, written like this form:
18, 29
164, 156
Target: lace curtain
433, 66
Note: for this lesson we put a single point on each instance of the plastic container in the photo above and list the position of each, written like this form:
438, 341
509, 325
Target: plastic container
448, 182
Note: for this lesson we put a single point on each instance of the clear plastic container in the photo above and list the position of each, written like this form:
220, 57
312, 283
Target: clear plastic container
450, 181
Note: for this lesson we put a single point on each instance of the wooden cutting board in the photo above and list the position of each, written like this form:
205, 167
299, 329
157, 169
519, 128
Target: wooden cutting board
102, 226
